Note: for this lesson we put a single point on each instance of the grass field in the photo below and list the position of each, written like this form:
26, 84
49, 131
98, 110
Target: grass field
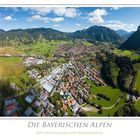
112, 93
137, 81
44, 48
108, 112
11, 51
40, 48
132, 55
87, 43
13, 70
10, 67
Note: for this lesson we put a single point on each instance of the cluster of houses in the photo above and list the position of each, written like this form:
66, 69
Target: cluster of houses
72, 83
39, 104
34, 74
28, 61
132, 98
89, 73
11, 107
69, 101
77, 50
68, 80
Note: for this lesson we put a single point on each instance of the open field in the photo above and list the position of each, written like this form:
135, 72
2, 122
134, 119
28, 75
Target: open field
10, 67
11, 51
132, 55
137, 81
41, 47
13, 70
108, 112
113, 93
87, 43
44, 48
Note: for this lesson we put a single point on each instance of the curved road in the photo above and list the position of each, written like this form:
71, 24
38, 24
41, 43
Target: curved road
95, 109
110, 107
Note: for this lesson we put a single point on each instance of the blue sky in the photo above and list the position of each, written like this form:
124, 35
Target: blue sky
69, 19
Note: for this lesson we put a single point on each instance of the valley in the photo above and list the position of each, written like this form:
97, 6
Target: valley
68, 74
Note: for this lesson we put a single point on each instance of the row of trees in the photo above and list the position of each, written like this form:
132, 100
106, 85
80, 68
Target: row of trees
6, 90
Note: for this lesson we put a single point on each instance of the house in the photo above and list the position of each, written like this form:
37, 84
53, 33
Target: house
36, 104
28, 111
29, 98
10, 107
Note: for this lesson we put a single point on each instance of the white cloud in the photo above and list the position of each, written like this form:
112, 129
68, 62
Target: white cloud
59, 11
35, 17
77, 24
115, 8
59, 19
38, 10
117, 25
67, 12
56, 25
8, 18
45, 19
96, 17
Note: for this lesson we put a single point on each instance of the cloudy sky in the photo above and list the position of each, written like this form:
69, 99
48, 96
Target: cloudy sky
69, 19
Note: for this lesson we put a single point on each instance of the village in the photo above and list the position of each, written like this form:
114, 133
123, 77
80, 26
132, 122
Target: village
67, 80
60, 87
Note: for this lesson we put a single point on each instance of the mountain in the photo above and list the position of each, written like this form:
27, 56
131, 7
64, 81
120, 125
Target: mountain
124, 34
133, 42
96, 33
2, 31
33, 33
121, 32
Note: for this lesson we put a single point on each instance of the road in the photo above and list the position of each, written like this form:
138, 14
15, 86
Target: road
110, 107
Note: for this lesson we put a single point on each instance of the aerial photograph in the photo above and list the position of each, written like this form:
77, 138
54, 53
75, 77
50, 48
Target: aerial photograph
69, 61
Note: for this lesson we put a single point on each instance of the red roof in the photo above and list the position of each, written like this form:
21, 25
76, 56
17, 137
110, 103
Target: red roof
10, 107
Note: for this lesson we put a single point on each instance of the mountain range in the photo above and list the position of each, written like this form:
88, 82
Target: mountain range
133, 42
124, 34
94, 33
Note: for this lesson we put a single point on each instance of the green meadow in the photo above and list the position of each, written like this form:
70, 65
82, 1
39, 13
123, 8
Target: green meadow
13, 70
131, 54
113, 93
44, 48
87, 43
108, 112
10, 67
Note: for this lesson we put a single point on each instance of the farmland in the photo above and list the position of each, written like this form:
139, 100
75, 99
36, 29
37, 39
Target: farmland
131, 54
10, 67
11, 51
